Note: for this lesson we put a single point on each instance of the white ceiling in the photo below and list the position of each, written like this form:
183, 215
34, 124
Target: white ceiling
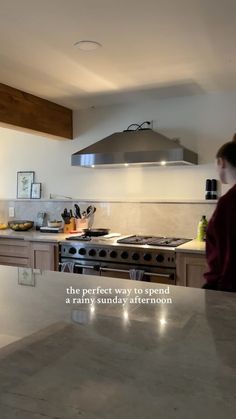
151, 48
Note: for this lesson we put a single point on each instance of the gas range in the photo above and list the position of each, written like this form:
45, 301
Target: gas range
138, 250
151, 258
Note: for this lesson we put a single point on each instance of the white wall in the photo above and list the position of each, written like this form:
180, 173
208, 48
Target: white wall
202, 122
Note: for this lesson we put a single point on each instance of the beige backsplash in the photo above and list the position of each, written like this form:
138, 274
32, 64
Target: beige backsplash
152, 218
159, 218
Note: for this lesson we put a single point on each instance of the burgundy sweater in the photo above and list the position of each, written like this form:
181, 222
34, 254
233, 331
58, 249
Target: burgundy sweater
221, 244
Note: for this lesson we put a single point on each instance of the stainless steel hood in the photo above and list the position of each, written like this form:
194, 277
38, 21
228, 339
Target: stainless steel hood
135, 148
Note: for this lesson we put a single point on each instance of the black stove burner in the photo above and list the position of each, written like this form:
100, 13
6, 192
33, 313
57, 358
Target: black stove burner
138, 239
153, 241
79, 238
172, 242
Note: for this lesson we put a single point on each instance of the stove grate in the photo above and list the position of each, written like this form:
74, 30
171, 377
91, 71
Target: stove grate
154, 241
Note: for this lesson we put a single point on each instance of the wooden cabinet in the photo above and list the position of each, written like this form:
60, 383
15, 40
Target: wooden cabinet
14, 252
190, 269
44, 256
29, 254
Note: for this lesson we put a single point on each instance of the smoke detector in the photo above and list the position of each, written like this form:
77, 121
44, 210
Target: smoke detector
87, 45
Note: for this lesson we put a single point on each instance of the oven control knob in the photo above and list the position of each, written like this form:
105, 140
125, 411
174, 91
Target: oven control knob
102, 253
135, 256
92, 252
160, 258
147, 257
82, 251
113, 254
124, 255
72, 250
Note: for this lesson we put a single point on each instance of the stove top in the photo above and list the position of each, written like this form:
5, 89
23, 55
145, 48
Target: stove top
154, 241
79, 238
137, 240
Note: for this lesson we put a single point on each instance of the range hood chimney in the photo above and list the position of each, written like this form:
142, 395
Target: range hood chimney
139, 147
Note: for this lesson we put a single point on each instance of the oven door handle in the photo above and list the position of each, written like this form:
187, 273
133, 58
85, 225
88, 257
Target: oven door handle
159, 275
94, 267
127, 271
113, 270
77, 265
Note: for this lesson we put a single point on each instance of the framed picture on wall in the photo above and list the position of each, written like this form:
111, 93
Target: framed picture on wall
36, 190
24, 181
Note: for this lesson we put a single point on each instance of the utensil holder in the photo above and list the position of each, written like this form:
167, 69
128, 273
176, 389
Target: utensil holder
81, 223
70, 226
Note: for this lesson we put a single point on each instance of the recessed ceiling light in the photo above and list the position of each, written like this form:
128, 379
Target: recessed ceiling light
92, 165
87, 45
126, 164
163, 163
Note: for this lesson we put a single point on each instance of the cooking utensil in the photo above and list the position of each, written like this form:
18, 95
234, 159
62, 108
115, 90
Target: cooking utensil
95, 231
77, 211
90, 210
66, 215
66, 212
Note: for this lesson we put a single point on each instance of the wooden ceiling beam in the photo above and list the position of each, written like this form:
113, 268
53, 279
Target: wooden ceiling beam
21, 110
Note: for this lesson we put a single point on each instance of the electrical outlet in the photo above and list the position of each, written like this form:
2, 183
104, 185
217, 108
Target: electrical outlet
11, 211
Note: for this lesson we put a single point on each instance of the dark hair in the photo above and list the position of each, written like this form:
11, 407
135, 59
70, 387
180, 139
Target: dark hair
228, 151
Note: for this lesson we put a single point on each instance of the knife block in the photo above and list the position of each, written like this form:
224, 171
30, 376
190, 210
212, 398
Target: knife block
81, 223
70, 226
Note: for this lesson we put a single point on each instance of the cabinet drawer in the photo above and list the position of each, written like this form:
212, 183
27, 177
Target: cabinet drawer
12, 261
14, 248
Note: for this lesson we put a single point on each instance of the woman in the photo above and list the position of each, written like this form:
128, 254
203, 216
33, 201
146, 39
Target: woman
221, 230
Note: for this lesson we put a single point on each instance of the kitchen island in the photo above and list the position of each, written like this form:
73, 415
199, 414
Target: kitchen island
65, 358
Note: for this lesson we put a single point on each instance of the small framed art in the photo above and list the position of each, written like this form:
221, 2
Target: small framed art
36, 190
24, 181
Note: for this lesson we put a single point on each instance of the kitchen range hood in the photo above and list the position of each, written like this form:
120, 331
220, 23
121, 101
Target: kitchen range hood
139, 147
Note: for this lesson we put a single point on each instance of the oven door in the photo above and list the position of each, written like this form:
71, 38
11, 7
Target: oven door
157, 275
150, 274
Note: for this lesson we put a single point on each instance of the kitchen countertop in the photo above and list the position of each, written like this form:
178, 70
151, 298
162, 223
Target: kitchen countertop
33, 235
171, 361
194, 246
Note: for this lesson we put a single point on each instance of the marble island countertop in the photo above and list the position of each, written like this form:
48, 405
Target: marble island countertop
172, 360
